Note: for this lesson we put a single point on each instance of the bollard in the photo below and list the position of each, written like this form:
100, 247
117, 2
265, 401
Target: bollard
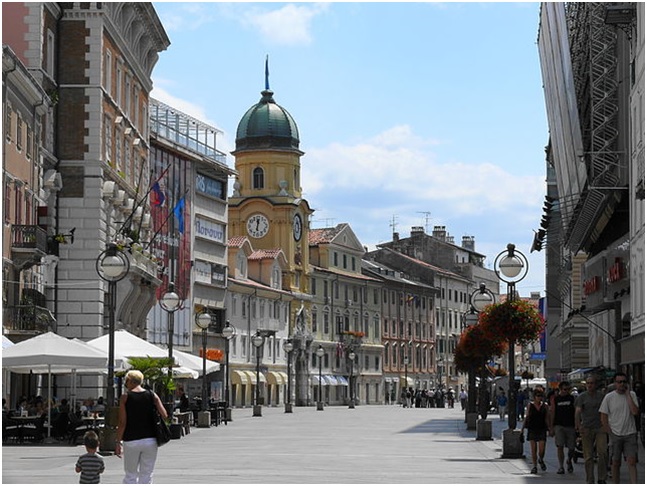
484, 430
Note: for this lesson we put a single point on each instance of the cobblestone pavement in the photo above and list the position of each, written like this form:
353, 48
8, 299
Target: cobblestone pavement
366, 445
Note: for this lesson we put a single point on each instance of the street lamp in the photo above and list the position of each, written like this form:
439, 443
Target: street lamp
479, 299
351, 357
112, 265
320, 353
170, 302
228, 332
203, 320
511, 266
406, 378
258, 340
288, 347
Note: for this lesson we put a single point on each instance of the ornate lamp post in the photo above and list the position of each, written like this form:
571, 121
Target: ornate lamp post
288, 347
511, 266
228, 332
203, 320
479, 300
258, 340
351, 403
320, 353
170, 302
406, 370
112, 266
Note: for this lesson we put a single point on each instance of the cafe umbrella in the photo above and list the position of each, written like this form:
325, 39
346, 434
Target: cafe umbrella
51, 354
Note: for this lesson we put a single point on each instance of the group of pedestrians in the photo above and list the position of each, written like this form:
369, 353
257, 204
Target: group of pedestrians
604, 422
434, 398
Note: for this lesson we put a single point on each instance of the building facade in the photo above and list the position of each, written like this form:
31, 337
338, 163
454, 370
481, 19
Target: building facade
591, 62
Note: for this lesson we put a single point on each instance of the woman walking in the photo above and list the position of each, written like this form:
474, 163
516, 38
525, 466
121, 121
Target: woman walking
536, 422
136, 435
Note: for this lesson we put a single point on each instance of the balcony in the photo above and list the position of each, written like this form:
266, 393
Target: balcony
27, 319
28, 245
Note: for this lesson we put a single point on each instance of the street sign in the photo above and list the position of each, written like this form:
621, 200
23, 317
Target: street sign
538, 357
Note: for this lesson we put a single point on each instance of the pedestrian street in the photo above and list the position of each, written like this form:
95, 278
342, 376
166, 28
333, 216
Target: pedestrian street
367, 445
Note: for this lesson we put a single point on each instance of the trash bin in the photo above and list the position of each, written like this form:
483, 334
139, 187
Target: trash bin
176, 431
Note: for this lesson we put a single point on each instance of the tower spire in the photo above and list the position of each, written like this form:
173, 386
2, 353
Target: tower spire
267, 72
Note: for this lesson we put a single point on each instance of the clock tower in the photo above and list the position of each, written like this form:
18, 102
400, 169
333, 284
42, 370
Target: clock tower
266, 204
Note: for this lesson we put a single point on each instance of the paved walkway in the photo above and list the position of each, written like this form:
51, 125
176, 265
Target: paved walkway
370, 444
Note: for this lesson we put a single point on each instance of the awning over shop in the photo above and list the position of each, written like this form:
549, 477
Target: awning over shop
274, 378
239, 378
251, 375
408, 381
330, 380
314, 380
284, 376
341, 380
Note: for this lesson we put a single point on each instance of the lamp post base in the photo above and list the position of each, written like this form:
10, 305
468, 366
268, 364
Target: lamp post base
288, 408
351, 404
319, 405
484, 430
512, 445
204, 419
228, 414
258, 411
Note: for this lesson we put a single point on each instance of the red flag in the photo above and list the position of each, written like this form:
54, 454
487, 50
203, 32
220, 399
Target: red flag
157, 195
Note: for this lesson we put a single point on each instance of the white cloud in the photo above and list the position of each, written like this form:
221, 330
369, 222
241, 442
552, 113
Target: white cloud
179, 17
398, 162
288, 25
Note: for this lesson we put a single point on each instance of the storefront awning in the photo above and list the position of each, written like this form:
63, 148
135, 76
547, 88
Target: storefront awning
251, 375
284, 376
341, 380
330, 380
314, 379
274, 378
239, 378
577, 375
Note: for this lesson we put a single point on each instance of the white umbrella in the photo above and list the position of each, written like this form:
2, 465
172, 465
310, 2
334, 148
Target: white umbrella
6, 342
50, 353
128, 345
194, 362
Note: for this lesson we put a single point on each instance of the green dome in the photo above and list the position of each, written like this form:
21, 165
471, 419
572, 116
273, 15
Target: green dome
267, 125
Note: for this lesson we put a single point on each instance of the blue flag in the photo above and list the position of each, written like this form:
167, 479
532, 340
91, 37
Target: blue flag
178, 210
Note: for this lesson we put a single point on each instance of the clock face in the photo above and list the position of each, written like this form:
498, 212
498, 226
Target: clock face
297, 227
257, 226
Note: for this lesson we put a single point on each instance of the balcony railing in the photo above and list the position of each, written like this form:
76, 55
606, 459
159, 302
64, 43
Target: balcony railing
29, 237
31, 318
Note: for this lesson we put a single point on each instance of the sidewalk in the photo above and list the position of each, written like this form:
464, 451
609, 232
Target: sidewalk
367, 445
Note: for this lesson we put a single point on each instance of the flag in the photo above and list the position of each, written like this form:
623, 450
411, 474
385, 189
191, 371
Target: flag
179, 214
157, 195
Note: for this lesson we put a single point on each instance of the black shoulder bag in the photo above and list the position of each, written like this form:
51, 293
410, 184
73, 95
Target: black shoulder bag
162, 431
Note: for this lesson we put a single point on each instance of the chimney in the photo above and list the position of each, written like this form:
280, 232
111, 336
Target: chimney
449, 239
468, 243
535, 295
439, 232
396, 237
417, 231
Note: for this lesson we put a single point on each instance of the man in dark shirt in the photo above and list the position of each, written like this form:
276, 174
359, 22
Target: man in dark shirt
562, 424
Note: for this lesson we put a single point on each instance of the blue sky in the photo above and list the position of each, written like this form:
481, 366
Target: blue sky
420, 113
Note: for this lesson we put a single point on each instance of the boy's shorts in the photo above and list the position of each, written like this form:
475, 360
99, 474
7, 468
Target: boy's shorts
565, 436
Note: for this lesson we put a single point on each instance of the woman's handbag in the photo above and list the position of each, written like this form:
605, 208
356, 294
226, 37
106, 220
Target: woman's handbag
162, 431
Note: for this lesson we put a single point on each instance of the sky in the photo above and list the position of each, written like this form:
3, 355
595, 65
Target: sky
409, 114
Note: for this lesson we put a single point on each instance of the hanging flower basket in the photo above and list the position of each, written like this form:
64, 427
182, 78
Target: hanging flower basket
475, 347
515, 320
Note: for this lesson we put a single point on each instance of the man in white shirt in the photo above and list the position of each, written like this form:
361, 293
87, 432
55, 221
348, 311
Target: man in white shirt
617, 413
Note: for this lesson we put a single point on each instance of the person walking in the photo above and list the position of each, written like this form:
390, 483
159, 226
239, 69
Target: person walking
562, 424
502, 403
136, 433
617, 412
90, 464
536, 422
463, 398
589, 426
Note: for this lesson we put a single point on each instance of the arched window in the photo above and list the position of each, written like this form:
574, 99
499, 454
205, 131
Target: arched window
259, 178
